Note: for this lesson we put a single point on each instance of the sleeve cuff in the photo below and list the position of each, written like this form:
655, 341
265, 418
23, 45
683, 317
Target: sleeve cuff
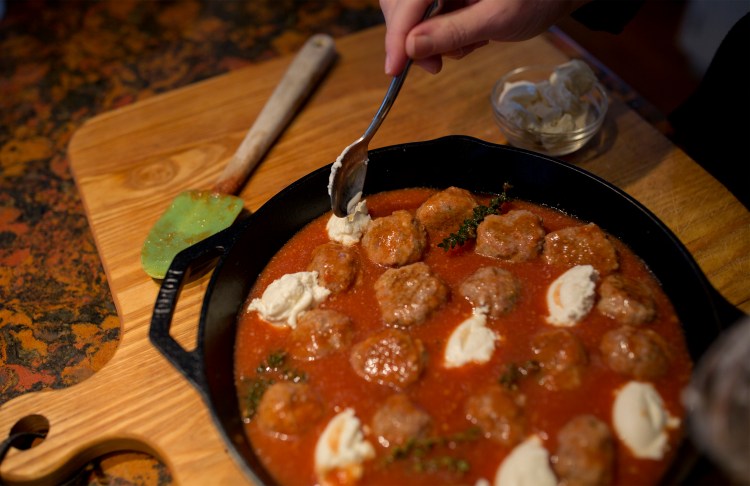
607, 15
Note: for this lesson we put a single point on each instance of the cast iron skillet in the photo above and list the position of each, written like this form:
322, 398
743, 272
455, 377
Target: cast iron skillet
245, 248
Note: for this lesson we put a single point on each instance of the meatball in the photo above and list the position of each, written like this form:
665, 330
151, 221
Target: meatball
516, 236
399, 420
495, 411
444, 211
585, 452
492, 287
395, 240
409, 295
288, 408
336, 264
561, 357
320, 332
626, 300
581, 245
391, 357
640, 353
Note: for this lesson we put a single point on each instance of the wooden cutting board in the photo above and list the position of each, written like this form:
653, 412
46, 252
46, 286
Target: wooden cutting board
130, 163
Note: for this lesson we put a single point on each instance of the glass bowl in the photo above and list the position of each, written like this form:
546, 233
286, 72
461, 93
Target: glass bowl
550, 142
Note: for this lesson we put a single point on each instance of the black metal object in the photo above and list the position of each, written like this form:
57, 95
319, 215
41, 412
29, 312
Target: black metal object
245, 248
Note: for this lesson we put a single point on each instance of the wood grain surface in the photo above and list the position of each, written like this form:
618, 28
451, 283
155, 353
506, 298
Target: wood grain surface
130, 163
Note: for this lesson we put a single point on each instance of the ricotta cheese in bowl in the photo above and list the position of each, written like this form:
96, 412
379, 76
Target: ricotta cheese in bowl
554, 110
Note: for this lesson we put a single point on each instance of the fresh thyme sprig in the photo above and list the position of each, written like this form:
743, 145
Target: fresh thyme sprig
468, 229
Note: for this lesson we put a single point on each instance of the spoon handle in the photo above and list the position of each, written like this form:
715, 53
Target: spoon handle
395, 86
385, 106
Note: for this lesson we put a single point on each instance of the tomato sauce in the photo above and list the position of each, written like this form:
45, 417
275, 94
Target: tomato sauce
442, 392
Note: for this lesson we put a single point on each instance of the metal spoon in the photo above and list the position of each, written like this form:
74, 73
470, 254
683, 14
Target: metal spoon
348, 172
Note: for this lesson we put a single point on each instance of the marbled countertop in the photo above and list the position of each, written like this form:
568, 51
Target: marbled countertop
64, 62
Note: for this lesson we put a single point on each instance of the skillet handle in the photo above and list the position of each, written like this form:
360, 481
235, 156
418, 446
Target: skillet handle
189, 363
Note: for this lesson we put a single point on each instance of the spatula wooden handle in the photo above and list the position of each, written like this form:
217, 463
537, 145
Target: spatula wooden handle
306, 70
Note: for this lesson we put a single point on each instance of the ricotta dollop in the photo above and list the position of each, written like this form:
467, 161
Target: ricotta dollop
571, 296
289, 296
471, 342
349, 229
641, 420
341, 449
526, 465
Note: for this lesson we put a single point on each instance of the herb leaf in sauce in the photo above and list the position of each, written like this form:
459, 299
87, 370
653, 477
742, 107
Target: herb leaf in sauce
426, 454
468, 229
514, 372
272, 369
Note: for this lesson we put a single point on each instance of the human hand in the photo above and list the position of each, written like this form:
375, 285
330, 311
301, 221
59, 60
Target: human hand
461, 27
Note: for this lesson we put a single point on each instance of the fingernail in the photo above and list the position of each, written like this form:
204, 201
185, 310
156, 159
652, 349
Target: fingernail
422, 46
388, 65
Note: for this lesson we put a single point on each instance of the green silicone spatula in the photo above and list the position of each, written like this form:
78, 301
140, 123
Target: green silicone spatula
197, 214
